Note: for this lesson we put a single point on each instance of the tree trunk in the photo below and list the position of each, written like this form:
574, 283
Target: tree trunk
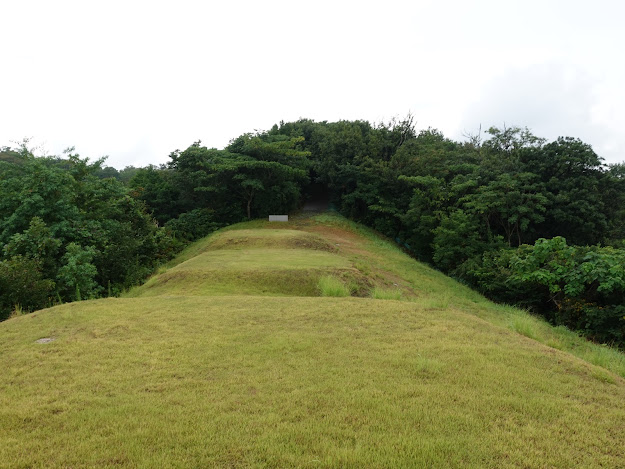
250, 198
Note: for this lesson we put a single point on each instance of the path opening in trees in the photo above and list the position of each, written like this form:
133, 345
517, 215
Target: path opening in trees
316, 197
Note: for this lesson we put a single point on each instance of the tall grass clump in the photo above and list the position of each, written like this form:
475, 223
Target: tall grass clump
329, 285
17, 311
526, 325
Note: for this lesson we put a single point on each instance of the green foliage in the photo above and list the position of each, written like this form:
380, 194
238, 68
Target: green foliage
50, 205
511, 204
578, 287
455, 239
22, 284
573, 176
77, 275
255, 176
35, 243
193, 225
570, 270
510, 139
261, 187
157, 189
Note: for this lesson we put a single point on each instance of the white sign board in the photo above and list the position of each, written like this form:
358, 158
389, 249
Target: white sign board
278, 218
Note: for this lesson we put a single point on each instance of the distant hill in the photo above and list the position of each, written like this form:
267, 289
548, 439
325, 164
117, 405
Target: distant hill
231, 357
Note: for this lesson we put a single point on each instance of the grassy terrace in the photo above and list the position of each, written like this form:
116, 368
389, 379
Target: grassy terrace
228, 357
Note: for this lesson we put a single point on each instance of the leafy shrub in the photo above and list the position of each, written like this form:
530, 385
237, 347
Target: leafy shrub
54, 207
580, 287
77, 275
22, 286
491, 275
604, 324
193, 225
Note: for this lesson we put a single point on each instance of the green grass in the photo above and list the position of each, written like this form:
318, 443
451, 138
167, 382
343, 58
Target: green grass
248, 262
525, 324
284, 282
437, 291
262, 258
386, 293
330, 285
227, 359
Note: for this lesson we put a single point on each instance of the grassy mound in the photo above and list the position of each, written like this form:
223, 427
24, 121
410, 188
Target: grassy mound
269, 238
273, 262
207, 378
246, 271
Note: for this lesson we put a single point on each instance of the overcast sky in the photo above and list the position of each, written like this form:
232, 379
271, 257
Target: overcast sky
135, 80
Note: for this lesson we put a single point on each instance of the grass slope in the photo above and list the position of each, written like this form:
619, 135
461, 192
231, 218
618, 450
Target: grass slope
178, 376
253, 262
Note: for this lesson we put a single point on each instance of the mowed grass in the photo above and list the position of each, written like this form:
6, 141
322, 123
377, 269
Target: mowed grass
252, 235
225, 358
263, 259
295, 382
254, 262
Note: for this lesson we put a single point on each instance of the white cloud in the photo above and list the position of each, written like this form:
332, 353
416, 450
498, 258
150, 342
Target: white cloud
136, 80
552, 100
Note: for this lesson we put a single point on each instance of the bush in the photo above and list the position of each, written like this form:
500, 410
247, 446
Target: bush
77, 275
580, 287
193, 225
22, 286
603, 324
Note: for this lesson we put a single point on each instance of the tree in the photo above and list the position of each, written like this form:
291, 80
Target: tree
276, 185
38, 244
157, 189
571, 173
456, 239
46, 204
511, 203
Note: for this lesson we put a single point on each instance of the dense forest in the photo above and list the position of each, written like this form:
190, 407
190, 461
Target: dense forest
525, 221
